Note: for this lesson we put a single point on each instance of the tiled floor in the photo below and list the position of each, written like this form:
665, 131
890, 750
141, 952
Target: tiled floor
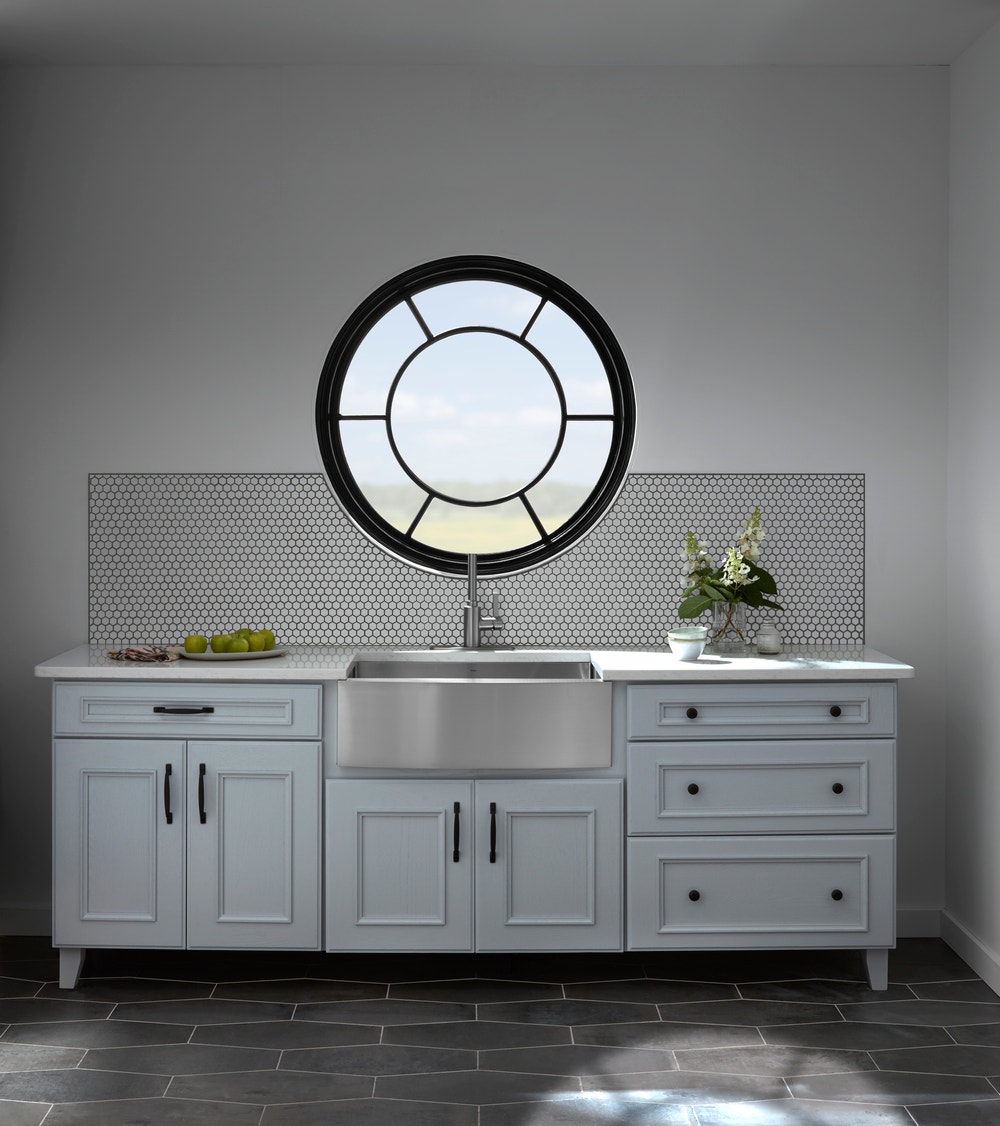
771, 1039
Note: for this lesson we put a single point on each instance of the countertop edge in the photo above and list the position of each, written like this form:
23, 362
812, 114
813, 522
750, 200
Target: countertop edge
318, 664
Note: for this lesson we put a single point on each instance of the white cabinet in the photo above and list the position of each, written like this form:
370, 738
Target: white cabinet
170, 842
484, 865
762, 815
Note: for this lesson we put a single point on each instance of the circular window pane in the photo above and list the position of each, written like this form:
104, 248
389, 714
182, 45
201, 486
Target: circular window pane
475, 406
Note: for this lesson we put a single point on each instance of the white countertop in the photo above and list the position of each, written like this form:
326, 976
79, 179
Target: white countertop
321, 663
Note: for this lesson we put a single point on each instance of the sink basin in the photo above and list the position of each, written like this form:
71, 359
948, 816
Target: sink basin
472, 712
468, 668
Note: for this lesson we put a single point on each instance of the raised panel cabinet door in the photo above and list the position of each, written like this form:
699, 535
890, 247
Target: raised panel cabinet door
399, 865
549, 865
253, 844
118, 843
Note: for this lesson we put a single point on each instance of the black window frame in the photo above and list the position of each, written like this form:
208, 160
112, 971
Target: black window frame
408, 284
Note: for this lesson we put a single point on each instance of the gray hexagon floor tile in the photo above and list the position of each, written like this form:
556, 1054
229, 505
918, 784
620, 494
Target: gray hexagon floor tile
774, 1061
98, 1033
371, 1112
477, 1035
475, 991
754, 1013
385, 1012
974, 990
153, 1112
264, 1087
300, 991
652, 991
985, 1113
976, 1034
666, 1035
856, 1035
19, 987
953, 1059
36, 1057
689, 1087
900, 1088
577, 1059
567, 1012
180, 1059
939, 1013
43, 1009
591, 1109
284, 1034
475, 1087
378, 1059
826, 992
207, 1011
793, 1112
120, 989
73, 1085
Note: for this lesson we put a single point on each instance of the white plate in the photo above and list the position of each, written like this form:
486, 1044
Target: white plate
210, 656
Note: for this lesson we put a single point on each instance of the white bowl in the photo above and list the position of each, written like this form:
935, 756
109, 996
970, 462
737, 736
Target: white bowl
686, 648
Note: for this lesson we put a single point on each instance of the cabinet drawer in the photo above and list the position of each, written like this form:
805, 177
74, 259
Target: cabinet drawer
225, 710
818, 710
762, 787
756, 891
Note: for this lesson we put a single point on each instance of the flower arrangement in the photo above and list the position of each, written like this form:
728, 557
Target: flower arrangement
739, 580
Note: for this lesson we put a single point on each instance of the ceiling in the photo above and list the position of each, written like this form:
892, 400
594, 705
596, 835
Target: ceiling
471, 32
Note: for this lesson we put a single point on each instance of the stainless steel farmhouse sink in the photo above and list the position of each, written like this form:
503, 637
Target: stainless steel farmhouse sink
469, 668
471, 711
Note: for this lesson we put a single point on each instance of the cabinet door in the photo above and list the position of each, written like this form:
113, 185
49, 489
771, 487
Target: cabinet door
118, 843
399, 865
253, 844
549, 865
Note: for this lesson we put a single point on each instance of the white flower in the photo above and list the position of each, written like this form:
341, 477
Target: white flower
735, 570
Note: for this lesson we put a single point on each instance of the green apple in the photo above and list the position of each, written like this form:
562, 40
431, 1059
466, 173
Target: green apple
195, 643
243, 633
268, 638
238, 645
220, 641
258, 641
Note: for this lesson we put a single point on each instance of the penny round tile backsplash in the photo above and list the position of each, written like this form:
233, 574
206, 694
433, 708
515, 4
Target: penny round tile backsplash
175, 553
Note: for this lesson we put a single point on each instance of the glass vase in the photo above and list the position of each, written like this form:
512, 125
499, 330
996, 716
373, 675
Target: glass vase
728, 633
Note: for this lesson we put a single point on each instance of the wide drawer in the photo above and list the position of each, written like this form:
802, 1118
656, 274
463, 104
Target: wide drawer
285, 711
762, 787
817, 709
754, 891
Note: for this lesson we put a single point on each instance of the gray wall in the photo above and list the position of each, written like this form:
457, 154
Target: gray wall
179, 247
972, 548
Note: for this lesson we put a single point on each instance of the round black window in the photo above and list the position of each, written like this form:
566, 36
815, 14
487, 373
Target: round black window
475, 405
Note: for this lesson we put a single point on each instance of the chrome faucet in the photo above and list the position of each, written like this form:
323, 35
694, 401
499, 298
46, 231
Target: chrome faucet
474, 620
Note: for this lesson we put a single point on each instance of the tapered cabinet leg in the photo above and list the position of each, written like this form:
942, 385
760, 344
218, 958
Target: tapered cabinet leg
877, 964
70, 964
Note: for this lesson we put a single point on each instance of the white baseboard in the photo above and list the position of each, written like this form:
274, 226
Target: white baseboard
918, 922
982, 958
25, 920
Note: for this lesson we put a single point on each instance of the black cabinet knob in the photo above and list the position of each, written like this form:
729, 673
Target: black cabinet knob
837, 894
692, 713
835, 711
694, 896
693, 788
837, 787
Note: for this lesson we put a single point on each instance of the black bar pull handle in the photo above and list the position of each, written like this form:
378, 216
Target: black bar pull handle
167, 814
177, 709
455, 843
201, 793
493, 832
